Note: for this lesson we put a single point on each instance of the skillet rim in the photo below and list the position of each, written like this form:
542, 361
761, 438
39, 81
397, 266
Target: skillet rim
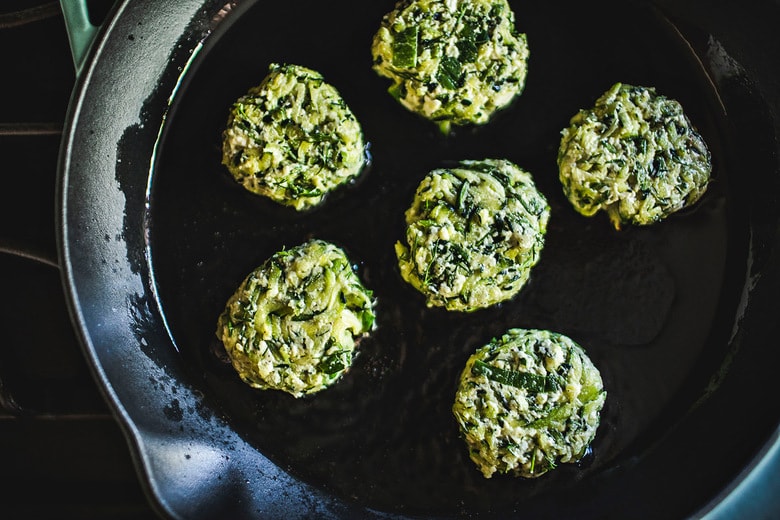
149, 439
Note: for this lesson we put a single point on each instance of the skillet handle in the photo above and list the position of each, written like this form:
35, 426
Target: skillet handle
81, 31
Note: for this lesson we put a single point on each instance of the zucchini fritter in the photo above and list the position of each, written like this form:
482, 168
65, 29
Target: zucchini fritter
473, 234
634, 155
294, 322
293, 138
452, 61
528, 401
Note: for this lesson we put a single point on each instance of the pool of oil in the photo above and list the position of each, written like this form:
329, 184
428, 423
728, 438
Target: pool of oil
652, 306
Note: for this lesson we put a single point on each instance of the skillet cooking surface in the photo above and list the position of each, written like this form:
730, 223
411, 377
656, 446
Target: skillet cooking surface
674, 315
652, 306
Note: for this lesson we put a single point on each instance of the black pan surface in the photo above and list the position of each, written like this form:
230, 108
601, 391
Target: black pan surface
664, 311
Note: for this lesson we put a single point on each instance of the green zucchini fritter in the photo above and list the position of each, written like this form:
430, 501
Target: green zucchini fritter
528, 401
293, 138
473, 234
294, 322
452, 61
634, 155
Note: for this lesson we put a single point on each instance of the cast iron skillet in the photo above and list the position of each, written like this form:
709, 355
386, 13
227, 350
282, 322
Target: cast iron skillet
679, 317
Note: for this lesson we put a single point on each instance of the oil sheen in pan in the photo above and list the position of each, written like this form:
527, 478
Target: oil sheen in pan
646, 303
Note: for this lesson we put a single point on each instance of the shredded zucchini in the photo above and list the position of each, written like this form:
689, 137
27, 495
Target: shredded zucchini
294, 322
452, 61
293, 138
473, 234
528, 401
635, 155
